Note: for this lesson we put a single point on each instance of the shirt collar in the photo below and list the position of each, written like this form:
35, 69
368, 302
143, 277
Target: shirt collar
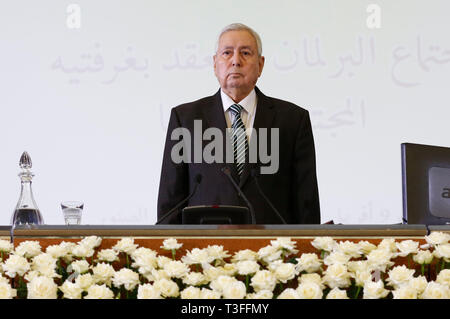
248, 103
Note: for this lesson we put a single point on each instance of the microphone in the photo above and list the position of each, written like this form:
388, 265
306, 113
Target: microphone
255, 175
198, 180
226, 171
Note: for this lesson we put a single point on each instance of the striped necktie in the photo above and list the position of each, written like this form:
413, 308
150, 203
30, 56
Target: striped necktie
240, 142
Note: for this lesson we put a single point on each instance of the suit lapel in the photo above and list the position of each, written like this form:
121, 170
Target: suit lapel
265, 114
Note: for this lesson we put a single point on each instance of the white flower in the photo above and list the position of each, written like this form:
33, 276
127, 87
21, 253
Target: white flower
162, 261
84, 281
6, 292
108, 255
91, 241
380, 259
71, 290
269, 254
103, 273
197, 256
437, 238
285, 244
400, 276
245, 254
195, 279
324, 243
127, 278
309, 290
167, 287
42, 288
435, 290
145, 260
211, 273
16, 265
366, 247
148, 291
336, 257
337, 293
220, 282
28, 249
171, 244
289, 293
176, 269
283, 271
442, 251
388, 244
264, 280
359, 265
418, 284
57, 251
262, 294
361, 277
31, 275
83, 251
125, 245
308, 262
337, 275
423, 257
45, 264
78, 266
190, 293
315, 278
351, 249
6, 246
443, 277
247, 267
404, 292
374, 290
407, 247
234, 290
209, 294
99, 292
217, 252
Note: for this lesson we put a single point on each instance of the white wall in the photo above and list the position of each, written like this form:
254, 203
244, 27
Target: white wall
91, 104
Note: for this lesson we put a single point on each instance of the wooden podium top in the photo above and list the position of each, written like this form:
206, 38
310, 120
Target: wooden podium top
223, 230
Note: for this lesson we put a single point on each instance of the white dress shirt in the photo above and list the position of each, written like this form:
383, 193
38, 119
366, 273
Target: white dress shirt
247, 114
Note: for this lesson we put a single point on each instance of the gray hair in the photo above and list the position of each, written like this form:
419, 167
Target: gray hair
241, 27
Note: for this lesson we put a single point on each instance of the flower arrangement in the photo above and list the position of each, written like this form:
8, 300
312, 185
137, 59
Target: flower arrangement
339, 270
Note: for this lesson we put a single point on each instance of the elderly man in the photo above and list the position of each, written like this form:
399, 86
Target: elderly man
287, 191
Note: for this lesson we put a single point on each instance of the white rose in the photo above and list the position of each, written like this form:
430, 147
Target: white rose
309, 263
6, 292
56, 251
359, 265
71, 290
309, 290
31, 275
388, 244
83, 251
84, 281
285, 244
78, 266
247, 267
67, 247
374, 290
42, 288
216, 252
324, 243
269, 254
148, 291
195, 279
262, 294
6, 246
16, 265
379, 259
289, 293
144, 259
443, 277
234, 290
212, 273
45, 264
315, 278
245, 254
435, 290
418, 284
337, 293
220, 282
437, 238
361, 277
197, 256
99, 292
407, 247
229, 269
209, 294
442, 251
125, 245
91, 241
336, 257
171, 244
423, 257
176, 269
162, 261
351, 249
103, 273
404, 292
283, 271
400, 276
190, 293
28, 249
168, 288
127, 278
156, 275
337, 275
263, 280
108, 255
366, 247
